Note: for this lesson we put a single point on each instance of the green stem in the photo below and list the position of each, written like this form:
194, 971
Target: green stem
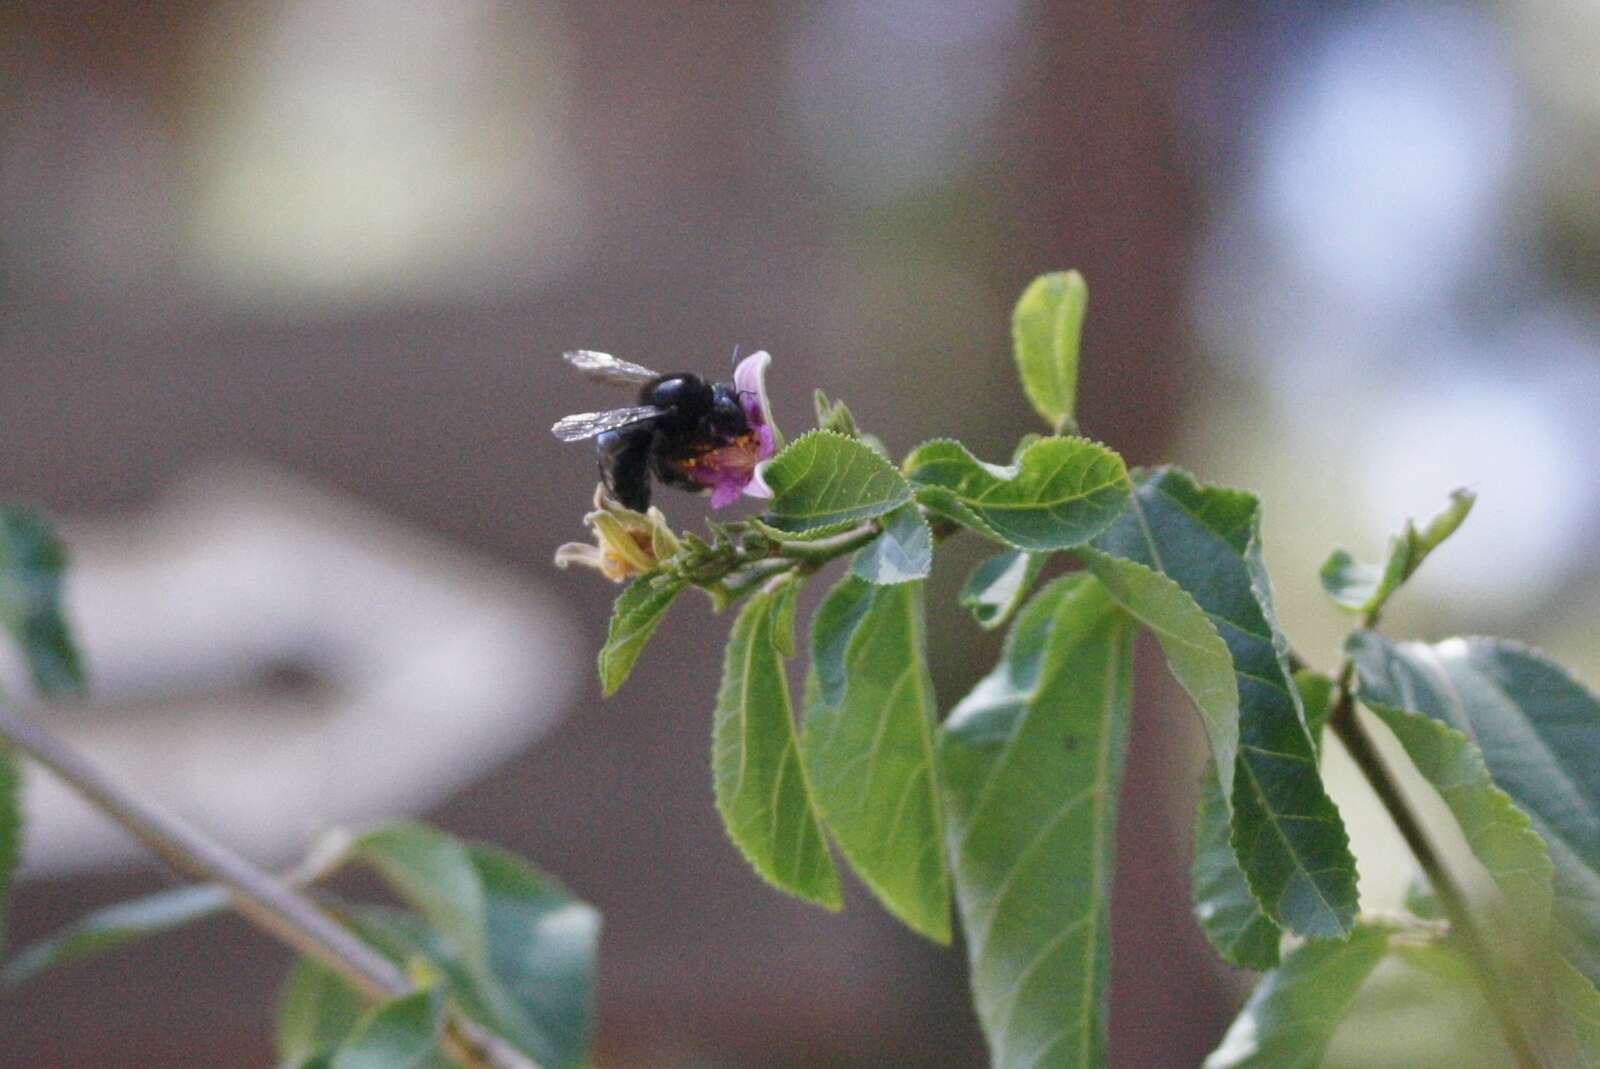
263, 899
822, 550
793, 555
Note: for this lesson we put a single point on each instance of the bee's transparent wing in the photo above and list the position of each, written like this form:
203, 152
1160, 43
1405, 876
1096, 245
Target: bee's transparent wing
603, 367
588, 424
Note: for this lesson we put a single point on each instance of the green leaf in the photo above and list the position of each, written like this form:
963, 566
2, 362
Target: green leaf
1293, 1012
1287, 834
999, 585
1228, 914
316, 1011
1359, 587
32, 561
1579, 1011
542, 949
1421, 901
760, 782
1031, 763
1364, 588
1538, 731
110, 927
434, 872
825, 481
1224, 905
399, 1034
1194, 650
1045, 331
10, 828
319, 1061
903, 552
1060, 493
1424, 1005
517, 949
868, 747
1316, 697
1500, 835
834, 416
1441, 526
639, 609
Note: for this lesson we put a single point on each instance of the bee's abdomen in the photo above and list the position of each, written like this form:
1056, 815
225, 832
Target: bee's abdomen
625, 465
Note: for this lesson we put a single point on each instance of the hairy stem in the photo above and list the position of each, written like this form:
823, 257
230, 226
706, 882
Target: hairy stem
794, 555
821, 550
1345, 724
263, 899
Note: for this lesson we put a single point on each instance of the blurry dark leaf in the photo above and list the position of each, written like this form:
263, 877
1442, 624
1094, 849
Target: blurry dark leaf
1295, 1008
1287, 834
1423, 1007
1421, 901
868, 746
402, 1033
516, 948
542, 949
1045, 331
108, 928
639, 609
1538, 731
760, 783
1031, 763
434, 872
10, 830
903, 552
1499, 834
316, 1011
1060, 493
1577, 1009
999, 585
32, 560
825, 481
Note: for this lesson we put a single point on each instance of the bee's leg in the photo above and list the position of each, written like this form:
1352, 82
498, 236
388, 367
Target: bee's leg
625, 465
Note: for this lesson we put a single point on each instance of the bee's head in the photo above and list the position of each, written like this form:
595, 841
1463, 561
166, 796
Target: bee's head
689, 395
727, 412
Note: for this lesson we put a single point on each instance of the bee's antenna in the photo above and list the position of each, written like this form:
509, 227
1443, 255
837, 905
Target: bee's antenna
735, 354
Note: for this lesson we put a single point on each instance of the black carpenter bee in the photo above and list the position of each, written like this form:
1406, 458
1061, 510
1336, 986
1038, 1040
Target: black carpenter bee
680, 431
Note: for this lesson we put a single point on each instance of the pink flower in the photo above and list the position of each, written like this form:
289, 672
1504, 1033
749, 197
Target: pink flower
735, 468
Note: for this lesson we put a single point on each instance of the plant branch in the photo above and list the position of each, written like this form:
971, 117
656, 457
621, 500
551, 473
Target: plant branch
1347, 726
260, 897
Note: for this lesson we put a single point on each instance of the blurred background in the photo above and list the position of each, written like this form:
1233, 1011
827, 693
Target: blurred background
282, 289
